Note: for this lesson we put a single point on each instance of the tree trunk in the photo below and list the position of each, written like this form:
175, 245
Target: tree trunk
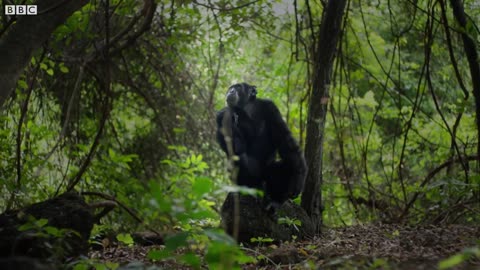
324, 55
28, 34
472, 56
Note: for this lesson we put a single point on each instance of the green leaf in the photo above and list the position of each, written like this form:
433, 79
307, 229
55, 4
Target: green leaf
220, 236
459, 258
243, 190
50, 72
451, 262
41, 222
191, 259
112, 154
179, 130
261, 240
225, 256
201, 186
53, 231
100, 266
22, 84
81, 266
63, 69
125, 238
26, 227
368, 100
157, 255
202, 214
177, 240
112, 265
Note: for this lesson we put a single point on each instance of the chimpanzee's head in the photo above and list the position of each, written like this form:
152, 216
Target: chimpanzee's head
238, 95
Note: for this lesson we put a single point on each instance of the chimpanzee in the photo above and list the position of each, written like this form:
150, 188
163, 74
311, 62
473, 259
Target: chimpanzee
258, 133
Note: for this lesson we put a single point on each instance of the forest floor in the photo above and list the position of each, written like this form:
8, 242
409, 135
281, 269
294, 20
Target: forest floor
375, 246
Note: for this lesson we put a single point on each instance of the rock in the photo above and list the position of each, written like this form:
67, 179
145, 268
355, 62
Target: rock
147, 238
255, 222
68, 212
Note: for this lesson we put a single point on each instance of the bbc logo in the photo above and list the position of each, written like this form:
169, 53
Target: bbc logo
20, 9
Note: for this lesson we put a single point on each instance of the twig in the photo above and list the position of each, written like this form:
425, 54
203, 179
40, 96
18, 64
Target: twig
227, 131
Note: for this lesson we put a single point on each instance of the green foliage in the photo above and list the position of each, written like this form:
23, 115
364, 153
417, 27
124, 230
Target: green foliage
38, 226
290, 222
33, 224
222, 252
125, 238
54, 239
188, 198
261, 239
87, 264
458, 259
223, 255
385, 134
187, 203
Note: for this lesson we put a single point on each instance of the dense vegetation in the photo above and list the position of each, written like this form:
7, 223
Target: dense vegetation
123, 103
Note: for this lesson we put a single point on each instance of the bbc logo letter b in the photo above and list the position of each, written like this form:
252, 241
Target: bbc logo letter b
9, 10
21, 9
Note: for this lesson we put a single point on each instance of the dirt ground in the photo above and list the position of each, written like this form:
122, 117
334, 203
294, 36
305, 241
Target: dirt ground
374, 246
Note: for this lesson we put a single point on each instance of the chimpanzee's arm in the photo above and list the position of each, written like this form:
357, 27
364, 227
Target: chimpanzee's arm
279, 131
288, 149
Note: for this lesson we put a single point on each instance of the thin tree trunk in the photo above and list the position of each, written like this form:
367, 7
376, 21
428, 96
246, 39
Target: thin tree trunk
472, 56
28, 34
324, 56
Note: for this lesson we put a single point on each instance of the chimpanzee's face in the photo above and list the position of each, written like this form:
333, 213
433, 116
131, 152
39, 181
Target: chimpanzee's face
238, 95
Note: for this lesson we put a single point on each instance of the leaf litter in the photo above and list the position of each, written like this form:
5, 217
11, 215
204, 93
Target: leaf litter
372, 246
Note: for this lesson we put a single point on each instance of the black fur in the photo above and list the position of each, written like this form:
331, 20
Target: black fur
258, 134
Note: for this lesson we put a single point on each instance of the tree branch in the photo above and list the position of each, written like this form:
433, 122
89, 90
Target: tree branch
26, 36
472, 57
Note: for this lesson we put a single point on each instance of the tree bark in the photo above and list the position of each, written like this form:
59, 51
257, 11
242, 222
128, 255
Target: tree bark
324, 56
27, 35
472, 56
